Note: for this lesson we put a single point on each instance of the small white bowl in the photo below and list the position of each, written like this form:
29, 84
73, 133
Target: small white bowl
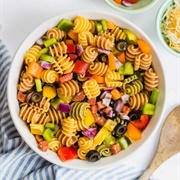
23, 130
160, 13
140, 6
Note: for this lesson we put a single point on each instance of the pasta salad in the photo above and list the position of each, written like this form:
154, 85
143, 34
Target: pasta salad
87, 89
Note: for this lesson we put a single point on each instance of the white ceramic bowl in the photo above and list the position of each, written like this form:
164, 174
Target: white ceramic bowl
14, 106
160, 14
140, 6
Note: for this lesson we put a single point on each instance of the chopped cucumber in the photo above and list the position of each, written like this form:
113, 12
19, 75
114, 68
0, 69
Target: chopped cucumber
104, 24
50, 42
154, 95
46, 58
38, 85
148, 109
65, 25
123, 142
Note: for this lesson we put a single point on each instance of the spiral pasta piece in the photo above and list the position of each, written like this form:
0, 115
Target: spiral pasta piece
65, 140
150, 80
26, 82
142, 61
58, 49
79, 110
104, 150
91, 88
43, 119
89, 54
113, 79
118, 33
81, 24
134, 88
55, 33
82, 77
131, 53
81, 124
93, 27
56, 116
69, 88
128, 80
28, 114
85, 38
104, 42
54, 145
69, 127
64, 64
82, 153
137, 101
98, 68
32, 55
49, 76
42, 106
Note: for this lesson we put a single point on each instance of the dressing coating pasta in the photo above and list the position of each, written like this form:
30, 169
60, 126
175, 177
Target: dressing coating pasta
83, 91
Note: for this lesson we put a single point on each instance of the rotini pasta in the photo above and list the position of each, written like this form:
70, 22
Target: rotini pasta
49, 76
131, 53
54, 145
32, 54
150, 80
129, 80
58, 49
85, 38
91, 88
89, 54
55, 33
104, 150
98, 68
69, 88
137, 101
118, 33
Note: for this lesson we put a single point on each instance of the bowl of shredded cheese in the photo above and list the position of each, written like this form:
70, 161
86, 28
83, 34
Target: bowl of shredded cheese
168, 26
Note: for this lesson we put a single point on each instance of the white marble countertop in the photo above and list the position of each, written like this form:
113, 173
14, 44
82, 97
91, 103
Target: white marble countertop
19, 18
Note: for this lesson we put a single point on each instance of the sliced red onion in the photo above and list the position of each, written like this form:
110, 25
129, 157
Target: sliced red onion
90, 132
117, 62
118, 105
107, 99
64, 107
45, 64
29, 96
79, 49
126, 3
88, 75
103, 51
125, 98
124, 116
103, 94
39, 42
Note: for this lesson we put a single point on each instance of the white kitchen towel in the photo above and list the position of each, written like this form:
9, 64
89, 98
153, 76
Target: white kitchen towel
19, 161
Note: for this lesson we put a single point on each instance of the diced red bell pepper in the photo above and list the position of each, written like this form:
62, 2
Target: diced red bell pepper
71, 48
67, 153
21, 96
80, 67
142, 122
73, 56
66, 77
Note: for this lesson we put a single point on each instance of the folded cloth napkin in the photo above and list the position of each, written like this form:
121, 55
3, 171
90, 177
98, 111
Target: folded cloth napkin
18, 161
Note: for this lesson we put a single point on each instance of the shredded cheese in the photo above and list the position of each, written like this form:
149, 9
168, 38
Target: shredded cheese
171, 26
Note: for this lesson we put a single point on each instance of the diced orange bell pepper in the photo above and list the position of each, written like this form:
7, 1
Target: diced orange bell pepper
121, 57
34, 69
112, 65
144, 46
69, 41
99, 79
117, 1
133, 132
73, 35
116, 94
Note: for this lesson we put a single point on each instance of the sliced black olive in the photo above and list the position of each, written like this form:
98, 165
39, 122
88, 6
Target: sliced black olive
114, 115
120, 130
112, 103
134, 115
75, 76
121, 45
103, 58
36, 97
93, 156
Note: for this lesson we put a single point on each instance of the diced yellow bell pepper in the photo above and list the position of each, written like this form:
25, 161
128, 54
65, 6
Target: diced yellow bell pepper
116, 94
101, 136
110, 124
37, 129
49, 92
89, 119
66, 99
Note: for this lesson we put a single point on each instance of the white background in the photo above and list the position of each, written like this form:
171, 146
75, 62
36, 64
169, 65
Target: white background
18, 18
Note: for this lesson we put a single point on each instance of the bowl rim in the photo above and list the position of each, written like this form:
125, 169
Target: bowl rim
11, 105
132, 11
159, 15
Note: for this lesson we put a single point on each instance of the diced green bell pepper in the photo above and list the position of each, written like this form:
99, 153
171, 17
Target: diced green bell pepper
154, 95
48, 134
65, 25
55, 102
123, 142
110, 139
148, 109
38, 85
99, 27
50, 126
44, 51
47, 58
50, 42
104, 24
